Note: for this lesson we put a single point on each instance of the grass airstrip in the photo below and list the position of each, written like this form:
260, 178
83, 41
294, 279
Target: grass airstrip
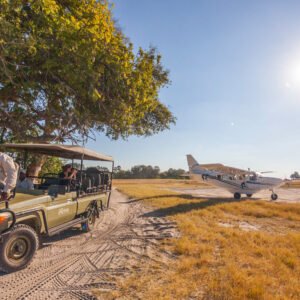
227, 249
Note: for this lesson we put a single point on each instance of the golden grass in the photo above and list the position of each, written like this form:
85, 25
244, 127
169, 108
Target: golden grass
161, 183
295, 184
227, 249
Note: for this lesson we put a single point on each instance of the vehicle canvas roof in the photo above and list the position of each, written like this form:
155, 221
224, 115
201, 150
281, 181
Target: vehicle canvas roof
63, 151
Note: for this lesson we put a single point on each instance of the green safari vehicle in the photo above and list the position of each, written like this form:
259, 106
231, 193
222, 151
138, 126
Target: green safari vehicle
53, 206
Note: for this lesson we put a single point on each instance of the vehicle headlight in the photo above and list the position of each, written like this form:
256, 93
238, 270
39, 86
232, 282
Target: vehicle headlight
4, 219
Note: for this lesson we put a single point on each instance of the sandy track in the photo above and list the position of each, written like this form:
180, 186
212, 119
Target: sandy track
70, 265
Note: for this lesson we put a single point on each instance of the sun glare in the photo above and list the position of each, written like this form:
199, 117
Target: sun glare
293, 75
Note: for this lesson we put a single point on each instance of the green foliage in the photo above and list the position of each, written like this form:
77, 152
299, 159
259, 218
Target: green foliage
173, 173
143, 172
52, 165
140, 171
66, 70
295, 175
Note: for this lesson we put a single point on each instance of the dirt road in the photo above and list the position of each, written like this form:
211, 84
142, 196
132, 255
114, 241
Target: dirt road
70, 265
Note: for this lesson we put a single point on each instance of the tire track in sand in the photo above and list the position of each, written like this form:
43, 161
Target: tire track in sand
70, 265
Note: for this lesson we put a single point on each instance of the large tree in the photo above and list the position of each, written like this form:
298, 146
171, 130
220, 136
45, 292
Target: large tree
67, 70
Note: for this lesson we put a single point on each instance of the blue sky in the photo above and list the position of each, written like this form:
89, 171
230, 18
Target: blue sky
235, 72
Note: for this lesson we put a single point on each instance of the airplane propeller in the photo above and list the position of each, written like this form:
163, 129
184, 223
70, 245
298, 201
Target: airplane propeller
260, 172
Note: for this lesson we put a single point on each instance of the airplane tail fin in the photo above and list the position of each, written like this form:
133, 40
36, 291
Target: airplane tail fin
191, 162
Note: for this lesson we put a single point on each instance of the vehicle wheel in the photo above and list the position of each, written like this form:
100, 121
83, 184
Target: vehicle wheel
249, 195
237, 196
274, 197
89, 224
18, 248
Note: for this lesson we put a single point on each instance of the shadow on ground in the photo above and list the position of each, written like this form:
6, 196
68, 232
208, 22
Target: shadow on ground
64, 235
186, 207
180, 196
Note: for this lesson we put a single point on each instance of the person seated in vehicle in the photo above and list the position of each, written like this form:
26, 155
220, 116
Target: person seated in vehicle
73, 174
73, 179
24, 182
8, 175
68, 176
65, 173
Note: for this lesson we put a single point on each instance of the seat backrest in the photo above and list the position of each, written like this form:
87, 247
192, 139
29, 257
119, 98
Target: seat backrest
86, 184
50, 181
55, 189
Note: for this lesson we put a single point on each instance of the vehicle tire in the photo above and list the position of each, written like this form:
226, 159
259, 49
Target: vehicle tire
249, 195
18, 248
89, 224
237, 196
274, 197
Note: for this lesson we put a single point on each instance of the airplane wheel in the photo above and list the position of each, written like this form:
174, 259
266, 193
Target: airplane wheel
249, 195
274, 197
237, 196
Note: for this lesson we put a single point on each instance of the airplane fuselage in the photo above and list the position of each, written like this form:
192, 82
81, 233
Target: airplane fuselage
245, 185
239, 183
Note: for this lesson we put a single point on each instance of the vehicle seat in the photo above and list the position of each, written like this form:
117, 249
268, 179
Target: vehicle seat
48, 182
56, 189
86, 185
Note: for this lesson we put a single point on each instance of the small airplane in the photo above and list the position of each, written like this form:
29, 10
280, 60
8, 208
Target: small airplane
234, 180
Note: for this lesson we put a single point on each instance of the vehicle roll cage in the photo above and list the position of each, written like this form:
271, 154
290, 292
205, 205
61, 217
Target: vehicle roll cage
86, 183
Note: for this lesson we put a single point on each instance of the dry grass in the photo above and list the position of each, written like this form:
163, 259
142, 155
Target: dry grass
162, 183
227, 250
294, 184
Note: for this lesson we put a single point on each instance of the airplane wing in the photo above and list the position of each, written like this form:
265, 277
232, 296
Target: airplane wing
216, 167
224, 169
230, 170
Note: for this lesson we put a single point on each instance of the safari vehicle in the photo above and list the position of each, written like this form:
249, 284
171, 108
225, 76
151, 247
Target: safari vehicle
54, 205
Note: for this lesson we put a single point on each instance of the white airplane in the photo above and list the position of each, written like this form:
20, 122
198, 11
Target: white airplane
234, 180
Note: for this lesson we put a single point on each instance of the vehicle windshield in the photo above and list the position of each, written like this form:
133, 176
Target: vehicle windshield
253, 177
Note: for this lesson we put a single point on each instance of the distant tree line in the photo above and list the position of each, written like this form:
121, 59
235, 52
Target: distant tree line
295, 175
147, 172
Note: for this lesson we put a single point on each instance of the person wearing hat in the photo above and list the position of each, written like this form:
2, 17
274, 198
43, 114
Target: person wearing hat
8, 175
24, 182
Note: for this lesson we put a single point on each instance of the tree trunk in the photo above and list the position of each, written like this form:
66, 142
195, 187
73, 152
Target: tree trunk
36, 165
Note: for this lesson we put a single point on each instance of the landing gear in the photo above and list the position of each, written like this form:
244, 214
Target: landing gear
237, 196
274, 196
249, 195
